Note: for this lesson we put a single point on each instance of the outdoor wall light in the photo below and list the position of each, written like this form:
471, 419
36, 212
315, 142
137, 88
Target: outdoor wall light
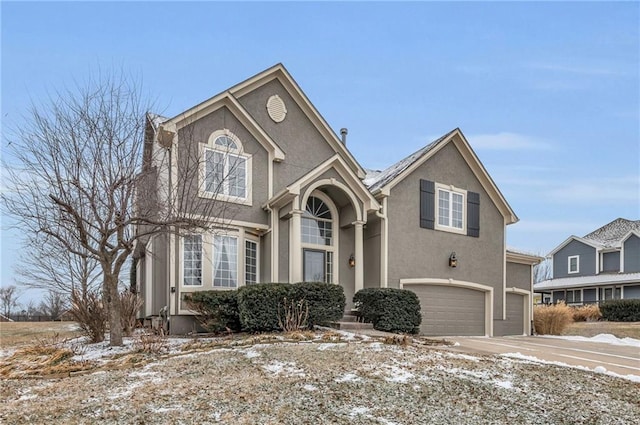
453, 261
352, 261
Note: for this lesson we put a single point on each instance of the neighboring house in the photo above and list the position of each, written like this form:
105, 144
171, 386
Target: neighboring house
305, 210
603, 265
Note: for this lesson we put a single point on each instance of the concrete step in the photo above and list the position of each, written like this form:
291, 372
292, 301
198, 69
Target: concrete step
345, 326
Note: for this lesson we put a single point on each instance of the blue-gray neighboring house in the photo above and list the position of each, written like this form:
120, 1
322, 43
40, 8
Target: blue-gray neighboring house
603, 265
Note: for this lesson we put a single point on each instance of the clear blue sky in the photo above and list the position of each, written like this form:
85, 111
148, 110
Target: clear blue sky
547, 93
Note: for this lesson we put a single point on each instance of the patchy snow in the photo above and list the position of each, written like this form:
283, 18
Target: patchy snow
251, 353
598, 369
348, 377
503, 384
602, 338
284, 368
462, 356
356, 411
310, 387
328, 345
399, 375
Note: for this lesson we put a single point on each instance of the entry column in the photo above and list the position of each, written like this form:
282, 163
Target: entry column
359, 255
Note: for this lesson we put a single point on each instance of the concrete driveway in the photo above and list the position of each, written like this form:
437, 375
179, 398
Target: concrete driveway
619, 359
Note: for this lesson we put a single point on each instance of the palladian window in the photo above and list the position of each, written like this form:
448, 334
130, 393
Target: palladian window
318, 241
226, 168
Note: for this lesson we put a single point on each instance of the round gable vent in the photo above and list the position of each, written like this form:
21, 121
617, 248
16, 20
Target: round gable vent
276, 108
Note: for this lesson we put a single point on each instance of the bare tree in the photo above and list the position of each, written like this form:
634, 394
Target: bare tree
52, 267
76, 165
542, 271
8, 299
53, 304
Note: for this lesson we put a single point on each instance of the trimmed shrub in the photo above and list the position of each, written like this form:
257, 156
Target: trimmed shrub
326, 301
552, 319
389, 309
621, 310
258, 305
586, 313
217, 310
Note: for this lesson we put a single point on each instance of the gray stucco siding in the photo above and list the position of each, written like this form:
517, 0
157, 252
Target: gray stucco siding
587, 266
416, 252
265, 258
160, 282
372, 239
198, 132
632, 254
519, 276
611, 261
304, 146
283, 248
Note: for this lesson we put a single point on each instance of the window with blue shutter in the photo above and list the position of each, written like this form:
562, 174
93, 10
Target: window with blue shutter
473, 214
427, 204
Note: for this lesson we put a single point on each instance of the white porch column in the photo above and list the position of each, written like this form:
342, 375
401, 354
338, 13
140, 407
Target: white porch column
359, 255
295, 254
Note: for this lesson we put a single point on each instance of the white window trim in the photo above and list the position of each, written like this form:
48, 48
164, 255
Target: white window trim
244, 259
239, 262
211, 146
202, 260
577, 270
335, 236
450, 189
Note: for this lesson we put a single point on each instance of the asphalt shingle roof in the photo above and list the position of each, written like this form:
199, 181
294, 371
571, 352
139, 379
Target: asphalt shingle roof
611, 234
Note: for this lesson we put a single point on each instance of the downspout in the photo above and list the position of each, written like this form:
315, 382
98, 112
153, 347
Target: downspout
384, 249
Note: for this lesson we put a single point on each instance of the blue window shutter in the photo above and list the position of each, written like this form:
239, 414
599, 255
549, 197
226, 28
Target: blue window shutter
427, 204
473, 214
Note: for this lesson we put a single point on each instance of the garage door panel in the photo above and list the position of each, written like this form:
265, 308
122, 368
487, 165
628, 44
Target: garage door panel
450, 310
515, 315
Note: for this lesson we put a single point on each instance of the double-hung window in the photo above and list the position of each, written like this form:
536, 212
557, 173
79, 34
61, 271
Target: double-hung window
574, 264
450, 210
250, 262
225, 261
226, 169
192, 259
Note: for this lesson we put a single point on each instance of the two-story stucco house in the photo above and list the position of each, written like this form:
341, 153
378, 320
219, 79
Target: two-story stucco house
603, 265
305, 210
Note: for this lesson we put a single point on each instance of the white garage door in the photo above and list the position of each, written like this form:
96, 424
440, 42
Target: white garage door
450, 311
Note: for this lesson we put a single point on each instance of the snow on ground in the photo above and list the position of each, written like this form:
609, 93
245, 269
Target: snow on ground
598, 369
602, 338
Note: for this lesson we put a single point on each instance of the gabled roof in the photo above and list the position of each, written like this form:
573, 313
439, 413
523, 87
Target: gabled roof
337, 163
566, 242
381, 182
280, 73
612, 234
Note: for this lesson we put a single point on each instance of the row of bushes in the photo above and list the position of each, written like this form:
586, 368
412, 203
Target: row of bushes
553, 319
621, 310
282, 306
267, 307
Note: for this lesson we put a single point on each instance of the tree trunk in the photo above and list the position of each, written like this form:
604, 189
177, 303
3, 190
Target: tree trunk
112, 298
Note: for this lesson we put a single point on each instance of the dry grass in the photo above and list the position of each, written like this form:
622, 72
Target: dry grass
587, 313
552, 319
47, 356
17, 334
619, 329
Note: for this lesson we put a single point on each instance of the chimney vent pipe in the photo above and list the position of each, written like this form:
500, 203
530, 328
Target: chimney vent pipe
343, 133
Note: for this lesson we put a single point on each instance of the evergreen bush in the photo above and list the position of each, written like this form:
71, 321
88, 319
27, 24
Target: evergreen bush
621, 310
389, 309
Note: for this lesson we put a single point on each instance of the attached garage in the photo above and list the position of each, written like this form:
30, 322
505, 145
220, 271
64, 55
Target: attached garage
453, 308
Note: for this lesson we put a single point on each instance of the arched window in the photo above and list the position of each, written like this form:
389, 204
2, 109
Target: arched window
226, 168
318, 240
